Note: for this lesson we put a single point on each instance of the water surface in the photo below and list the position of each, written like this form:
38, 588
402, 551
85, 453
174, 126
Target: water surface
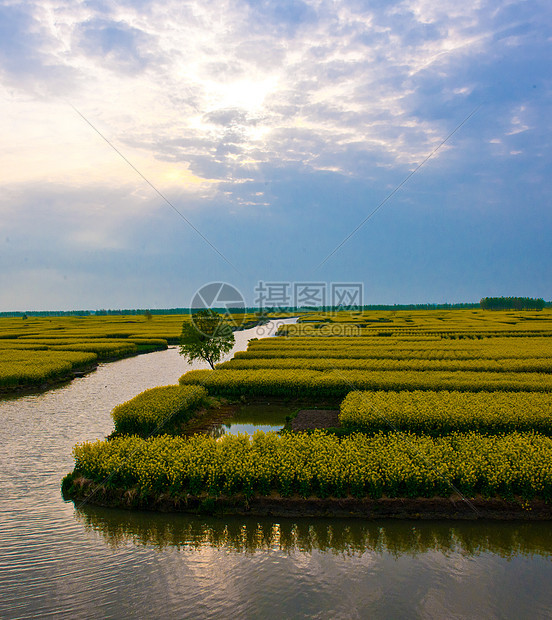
250, 418
58, 560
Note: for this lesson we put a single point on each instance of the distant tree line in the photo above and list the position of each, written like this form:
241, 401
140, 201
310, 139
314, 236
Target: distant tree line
46, 313
470, 305
101, 312
121, 312
457, 306
512, 303
487, 303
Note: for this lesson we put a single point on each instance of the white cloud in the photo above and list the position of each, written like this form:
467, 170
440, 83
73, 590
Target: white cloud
235, 94
517, 123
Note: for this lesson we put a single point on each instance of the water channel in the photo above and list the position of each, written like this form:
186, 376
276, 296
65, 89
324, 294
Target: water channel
58, 560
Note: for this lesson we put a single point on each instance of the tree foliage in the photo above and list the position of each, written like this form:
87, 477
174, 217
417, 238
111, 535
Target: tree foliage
512, 303
206, 337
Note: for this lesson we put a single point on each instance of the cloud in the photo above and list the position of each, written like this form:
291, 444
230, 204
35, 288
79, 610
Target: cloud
283, 18
235, 87
29, 53
251, 114
517, 124
121, 46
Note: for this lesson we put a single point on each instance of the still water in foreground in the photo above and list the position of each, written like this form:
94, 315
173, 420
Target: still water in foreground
58, 560
250, 418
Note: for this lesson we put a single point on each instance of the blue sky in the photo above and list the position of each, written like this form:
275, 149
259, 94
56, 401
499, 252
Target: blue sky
275, 128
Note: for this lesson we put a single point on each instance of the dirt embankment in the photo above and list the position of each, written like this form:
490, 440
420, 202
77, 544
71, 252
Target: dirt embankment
310, 419
82, 490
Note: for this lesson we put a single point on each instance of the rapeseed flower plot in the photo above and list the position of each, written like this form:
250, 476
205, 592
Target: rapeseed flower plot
439, 413
144, 413
302, 382
394, 464
33, 367
435, 401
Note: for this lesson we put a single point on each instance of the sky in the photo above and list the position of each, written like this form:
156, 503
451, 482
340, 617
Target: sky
150, 148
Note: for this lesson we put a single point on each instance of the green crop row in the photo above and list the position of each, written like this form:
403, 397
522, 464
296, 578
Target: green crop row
63, 340
27, 374
412, 343
22, 346
23, 368
31, 362
90, 328
393, 354
51, 340
337, 342
157, 342
104, 350
393, 465
151, 410
439, 413
368, 364
302, 383
336, 329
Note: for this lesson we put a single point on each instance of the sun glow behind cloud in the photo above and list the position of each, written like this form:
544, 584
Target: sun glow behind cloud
238, 107
246, 95
168, 73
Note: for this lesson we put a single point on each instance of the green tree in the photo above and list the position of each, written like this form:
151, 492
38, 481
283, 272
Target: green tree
206, 337
512, 303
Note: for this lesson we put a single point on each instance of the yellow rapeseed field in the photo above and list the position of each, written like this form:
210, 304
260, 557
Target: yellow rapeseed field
395, 464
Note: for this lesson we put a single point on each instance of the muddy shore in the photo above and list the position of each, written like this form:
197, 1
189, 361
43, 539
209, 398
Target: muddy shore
84, 491
311, 419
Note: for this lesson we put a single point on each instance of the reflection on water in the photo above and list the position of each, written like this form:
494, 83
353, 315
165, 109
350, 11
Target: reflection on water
251, 418
253, 534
